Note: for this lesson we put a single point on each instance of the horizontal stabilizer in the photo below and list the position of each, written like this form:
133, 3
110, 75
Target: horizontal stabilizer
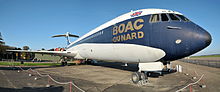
67, 35
70, 35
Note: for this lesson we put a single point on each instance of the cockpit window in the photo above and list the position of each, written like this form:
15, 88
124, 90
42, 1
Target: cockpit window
173, 17
182, 17
155, 18
164, 17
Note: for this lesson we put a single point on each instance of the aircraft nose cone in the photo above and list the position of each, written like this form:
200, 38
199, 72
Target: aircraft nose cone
199, 40
203, 38
207, 38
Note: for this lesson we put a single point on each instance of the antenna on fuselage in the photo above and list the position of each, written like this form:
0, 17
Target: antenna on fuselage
67, 35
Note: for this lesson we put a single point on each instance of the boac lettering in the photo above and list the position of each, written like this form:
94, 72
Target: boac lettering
128, 31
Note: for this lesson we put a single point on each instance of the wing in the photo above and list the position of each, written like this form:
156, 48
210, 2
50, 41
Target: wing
58, 53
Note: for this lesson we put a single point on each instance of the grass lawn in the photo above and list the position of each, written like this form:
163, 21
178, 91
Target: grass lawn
205, 56
47, 57
30, 63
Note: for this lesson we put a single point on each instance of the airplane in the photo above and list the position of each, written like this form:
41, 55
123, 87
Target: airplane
145, 36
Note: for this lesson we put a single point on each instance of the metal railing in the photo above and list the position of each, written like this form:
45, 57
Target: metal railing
210, 63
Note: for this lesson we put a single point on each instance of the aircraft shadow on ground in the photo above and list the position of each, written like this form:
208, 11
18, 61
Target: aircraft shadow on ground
131, 67
25, 67
36, 89
117, 65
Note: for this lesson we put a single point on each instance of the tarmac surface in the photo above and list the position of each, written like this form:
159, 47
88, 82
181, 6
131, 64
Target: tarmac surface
107, 77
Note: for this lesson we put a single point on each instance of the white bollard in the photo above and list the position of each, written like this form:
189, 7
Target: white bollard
194, 78
47, 85
203, 86
35, 78
29, 75
179, 68
18, 71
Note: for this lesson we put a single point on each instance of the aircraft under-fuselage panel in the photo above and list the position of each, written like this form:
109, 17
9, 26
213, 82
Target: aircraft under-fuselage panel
141, 36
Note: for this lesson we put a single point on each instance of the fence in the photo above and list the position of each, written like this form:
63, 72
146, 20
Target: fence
210, 63
50, 78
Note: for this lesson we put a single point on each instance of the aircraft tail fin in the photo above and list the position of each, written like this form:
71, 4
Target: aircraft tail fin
67, 35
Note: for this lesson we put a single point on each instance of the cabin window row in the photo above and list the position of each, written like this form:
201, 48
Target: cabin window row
167, 17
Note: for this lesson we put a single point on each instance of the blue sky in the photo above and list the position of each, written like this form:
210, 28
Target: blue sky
33, 22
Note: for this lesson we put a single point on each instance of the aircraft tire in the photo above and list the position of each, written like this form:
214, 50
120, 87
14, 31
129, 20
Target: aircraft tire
65, 63
88, 62
143, 76
62, 63
136, 77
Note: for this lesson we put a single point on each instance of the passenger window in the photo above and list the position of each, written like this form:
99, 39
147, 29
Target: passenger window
155, 18
173, 17
164, 17
182, 17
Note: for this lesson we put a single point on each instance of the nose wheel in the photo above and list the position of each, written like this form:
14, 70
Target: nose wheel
139, 77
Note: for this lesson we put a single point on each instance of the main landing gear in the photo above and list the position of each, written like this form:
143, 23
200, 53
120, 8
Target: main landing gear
90, 62
139, 77
63, 61
146, 70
